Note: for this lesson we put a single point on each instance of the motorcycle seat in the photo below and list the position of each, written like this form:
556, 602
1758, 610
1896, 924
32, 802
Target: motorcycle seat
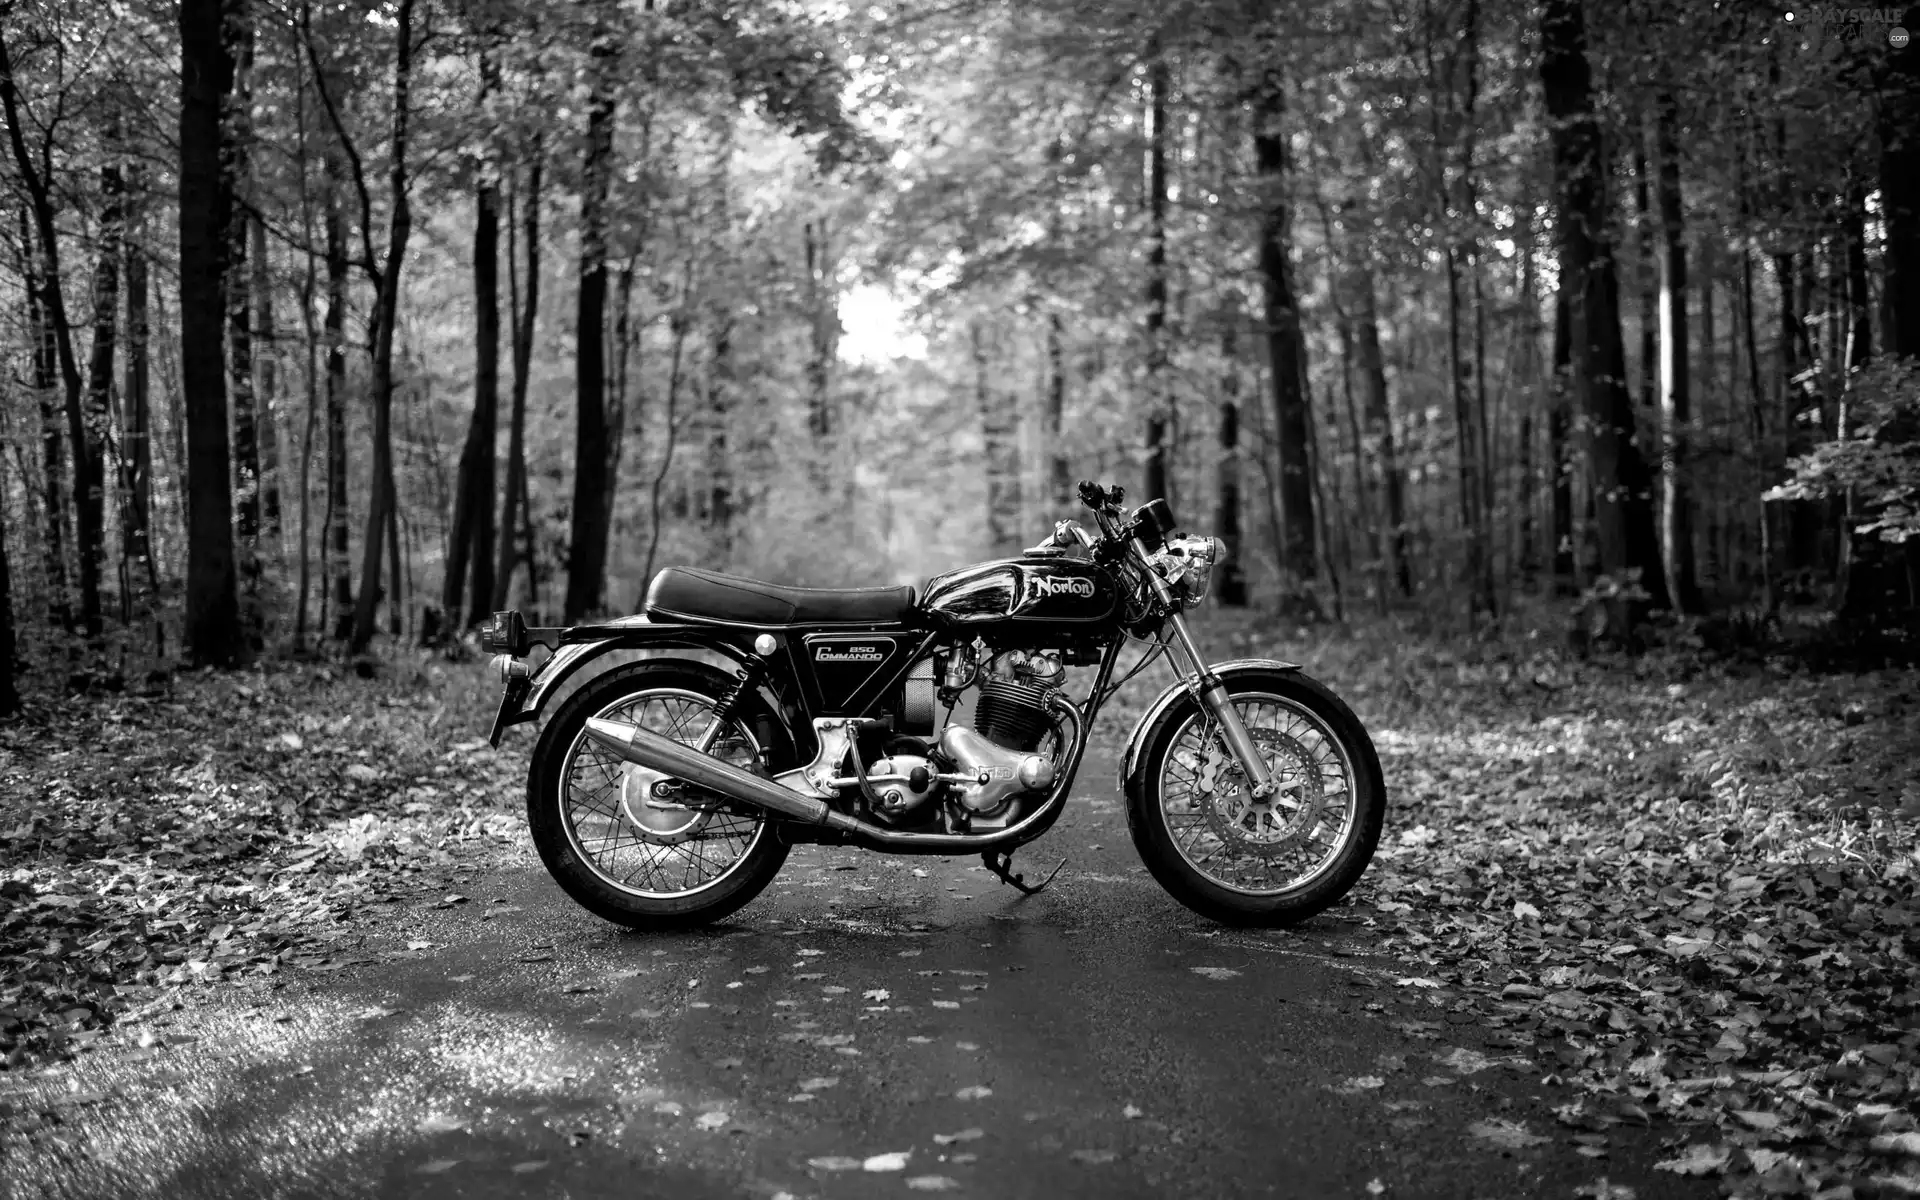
693, 594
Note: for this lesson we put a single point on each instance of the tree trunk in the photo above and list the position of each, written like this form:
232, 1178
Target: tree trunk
385, 315
9, 693
617, 392
1623, 513
99, 414
1528, 558
824, 331
1000, 450
1377, 416
1762, 446
334, 537
266, 368
719, 452
1559, 448
213, 633
587, 543
1158, 399
1286, 352
1059, 470
53, 314
1231, 571
310, 370
471, 541
136, 422
679, 324
246, 445
1676, 508
1899, 129
513, 503
53, 459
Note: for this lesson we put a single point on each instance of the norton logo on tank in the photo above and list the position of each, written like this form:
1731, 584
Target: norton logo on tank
1060, 585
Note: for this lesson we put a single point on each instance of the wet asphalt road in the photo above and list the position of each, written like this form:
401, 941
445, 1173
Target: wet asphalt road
1096, 1040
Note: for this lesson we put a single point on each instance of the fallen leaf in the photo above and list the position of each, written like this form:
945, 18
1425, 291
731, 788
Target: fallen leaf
965, 1135
1898, 1143
1508, 1135
1698, 1159
1463, 1061
1355, 1084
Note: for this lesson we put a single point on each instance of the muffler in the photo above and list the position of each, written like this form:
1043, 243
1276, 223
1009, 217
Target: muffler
649, 749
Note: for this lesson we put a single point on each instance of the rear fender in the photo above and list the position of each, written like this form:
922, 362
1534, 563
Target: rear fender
1227, 671
628, 633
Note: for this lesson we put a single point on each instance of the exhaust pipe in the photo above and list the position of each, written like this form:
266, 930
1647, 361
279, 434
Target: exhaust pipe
649, 749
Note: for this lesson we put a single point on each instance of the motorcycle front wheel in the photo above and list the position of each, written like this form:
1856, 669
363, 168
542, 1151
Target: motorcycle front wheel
611, 845
1258, 861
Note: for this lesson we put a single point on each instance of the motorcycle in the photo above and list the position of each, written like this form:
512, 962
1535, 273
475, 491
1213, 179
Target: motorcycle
666, 793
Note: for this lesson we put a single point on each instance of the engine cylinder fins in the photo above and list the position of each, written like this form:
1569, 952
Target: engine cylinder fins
1012, 714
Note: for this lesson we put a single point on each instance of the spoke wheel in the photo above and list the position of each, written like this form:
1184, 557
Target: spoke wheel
1258, 860
638, 836
638, 847
1259, 846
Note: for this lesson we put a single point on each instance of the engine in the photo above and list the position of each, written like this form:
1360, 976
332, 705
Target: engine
974, 775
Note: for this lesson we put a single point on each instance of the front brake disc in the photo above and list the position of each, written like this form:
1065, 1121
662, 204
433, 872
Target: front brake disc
1266, 827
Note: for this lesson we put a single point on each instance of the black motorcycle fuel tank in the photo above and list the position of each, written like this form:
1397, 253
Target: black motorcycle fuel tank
1032, 590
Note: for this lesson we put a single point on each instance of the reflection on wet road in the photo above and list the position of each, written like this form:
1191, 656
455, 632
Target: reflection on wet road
871, 1027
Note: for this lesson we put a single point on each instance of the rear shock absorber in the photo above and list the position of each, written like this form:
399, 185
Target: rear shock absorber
745, 683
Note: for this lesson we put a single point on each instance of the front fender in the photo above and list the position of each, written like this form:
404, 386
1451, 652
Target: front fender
1227, 671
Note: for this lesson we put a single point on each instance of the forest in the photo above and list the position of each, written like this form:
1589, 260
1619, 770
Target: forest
327, 322
1547, 368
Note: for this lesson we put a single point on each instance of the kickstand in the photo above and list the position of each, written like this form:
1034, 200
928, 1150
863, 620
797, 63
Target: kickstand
999, 862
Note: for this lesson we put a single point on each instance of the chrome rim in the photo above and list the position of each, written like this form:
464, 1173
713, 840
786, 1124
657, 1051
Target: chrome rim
595, 793
1260, 847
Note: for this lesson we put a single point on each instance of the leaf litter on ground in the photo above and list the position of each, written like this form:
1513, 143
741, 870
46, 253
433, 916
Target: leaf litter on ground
212, 829
1683, 885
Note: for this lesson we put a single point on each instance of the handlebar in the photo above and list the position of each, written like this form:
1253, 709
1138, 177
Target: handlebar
1102, 499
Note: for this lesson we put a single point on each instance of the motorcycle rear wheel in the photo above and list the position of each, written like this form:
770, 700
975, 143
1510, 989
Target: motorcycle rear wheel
577, 808
1244, 861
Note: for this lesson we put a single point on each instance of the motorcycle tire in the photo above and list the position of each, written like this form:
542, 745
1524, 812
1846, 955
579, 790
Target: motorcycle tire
1326, 721
562, 851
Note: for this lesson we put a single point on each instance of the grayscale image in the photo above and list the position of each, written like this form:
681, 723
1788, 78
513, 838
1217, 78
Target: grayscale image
817, 599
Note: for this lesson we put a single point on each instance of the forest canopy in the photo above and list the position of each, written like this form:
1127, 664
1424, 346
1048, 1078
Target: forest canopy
327, 322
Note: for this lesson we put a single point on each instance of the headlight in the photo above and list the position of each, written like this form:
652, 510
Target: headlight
1200, 575
1188, 566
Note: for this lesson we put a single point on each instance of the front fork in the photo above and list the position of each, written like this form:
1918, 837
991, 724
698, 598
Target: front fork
1213, 695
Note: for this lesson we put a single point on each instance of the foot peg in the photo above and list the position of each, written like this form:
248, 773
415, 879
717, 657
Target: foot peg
999, 862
